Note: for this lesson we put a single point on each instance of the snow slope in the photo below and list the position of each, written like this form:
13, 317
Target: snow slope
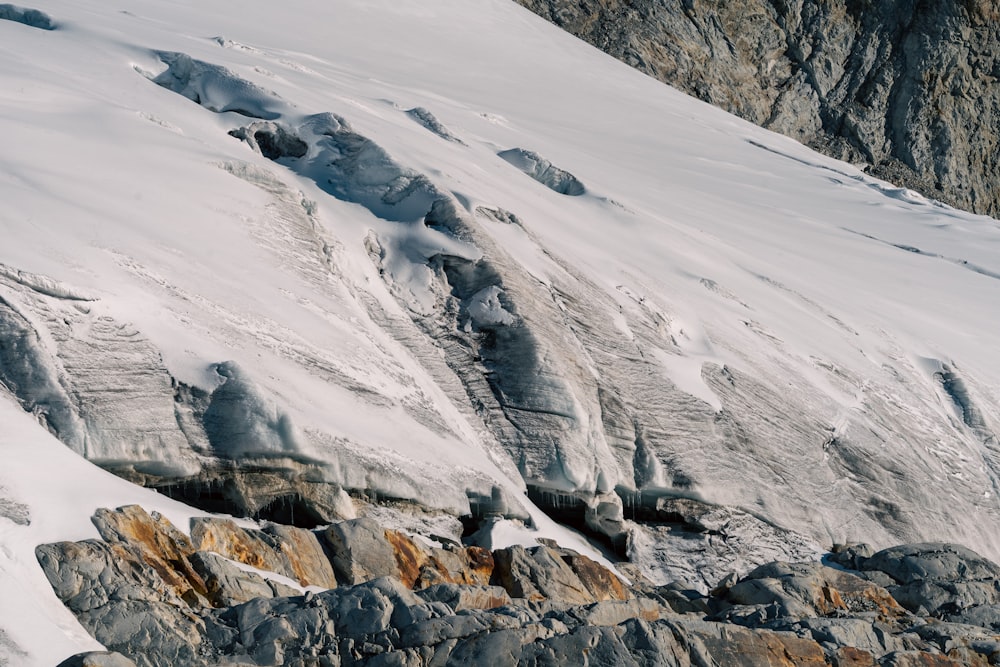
452, 253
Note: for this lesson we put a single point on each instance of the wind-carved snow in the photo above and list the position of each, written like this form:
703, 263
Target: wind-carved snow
543, 171
118, 413
240, 422
430, 121
214, 87
272, 141
29, 17
43, 285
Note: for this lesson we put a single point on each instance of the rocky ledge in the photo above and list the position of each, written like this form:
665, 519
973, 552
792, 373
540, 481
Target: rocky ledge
355, 593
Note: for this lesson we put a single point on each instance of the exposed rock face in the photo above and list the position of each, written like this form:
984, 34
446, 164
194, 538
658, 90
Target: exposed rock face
542, 612
292, 552
907, 87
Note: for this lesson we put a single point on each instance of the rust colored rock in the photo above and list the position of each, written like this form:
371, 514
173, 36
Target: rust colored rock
250, 547
967, 656
812, 589
920, 659
471, 566
305, 555
849, 656
162, 546
842, 591
481, 565
421, 567
738, 647
411, 558
599, 580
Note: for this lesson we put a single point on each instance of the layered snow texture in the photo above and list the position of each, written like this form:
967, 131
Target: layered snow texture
543, 171
292, 277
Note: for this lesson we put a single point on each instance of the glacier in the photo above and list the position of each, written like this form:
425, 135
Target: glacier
442, 254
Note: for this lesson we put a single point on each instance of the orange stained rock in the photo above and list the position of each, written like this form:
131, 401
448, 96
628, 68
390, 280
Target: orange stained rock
163, 547
227, 539
480, 565
849, 656
599, 580
411, 558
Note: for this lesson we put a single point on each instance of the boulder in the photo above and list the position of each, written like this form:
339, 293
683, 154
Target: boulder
598, 580
163, 547
460, 598
274, 551
616, 612
938, 579
360, 551
720, 644
123, 602
228, 585
538, 574
849, 656
305, 555
805, 590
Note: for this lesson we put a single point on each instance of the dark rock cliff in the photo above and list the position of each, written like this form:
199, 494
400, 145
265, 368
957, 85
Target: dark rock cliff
907, 87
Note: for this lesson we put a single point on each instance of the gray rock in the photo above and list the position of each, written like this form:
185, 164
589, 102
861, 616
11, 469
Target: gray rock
460, 598
360, 551
934, 561
97, 659
850, 556
806, 590
602, 646
985, 616
228, 585
122, 602
538, 573
799, 614
860, 633
938, 579
616, 612
722, 644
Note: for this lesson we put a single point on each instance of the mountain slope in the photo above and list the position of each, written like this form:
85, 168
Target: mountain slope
907, 89
447, 255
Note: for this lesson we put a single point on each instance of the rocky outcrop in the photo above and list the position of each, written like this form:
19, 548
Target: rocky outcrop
908, 88
292, 552
924, 604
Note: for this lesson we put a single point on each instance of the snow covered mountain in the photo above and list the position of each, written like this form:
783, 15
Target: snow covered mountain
264, 258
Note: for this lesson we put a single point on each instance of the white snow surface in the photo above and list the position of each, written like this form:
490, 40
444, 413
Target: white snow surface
57, 493
753, 251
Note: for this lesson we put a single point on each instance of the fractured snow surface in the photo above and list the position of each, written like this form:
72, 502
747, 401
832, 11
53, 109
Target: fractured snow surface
757, 252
